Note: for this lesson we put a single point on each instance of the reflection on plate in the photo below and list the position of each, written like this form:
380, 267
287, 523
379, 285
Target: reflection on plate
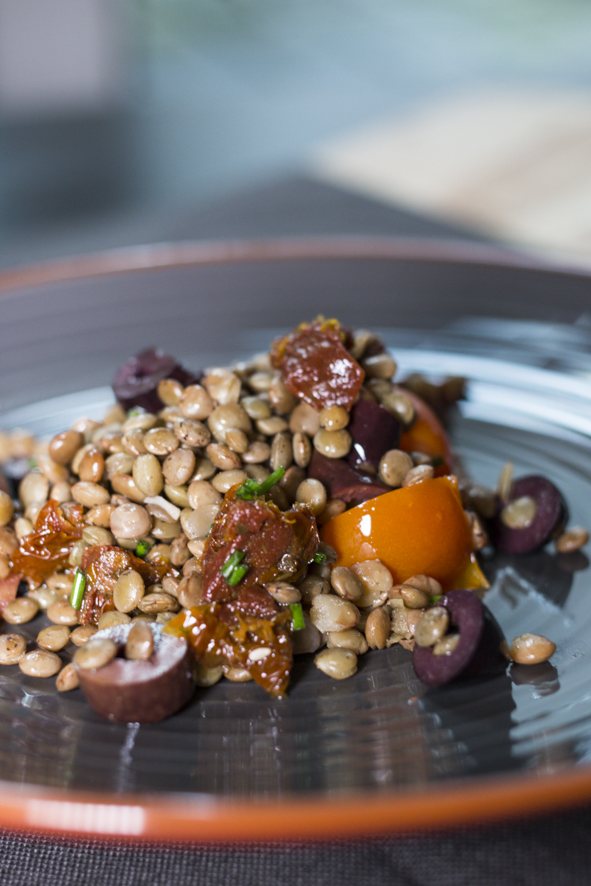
379, 751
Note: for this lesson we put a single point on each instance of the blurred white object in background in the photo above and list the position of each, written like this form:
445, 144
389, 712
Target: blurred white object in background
514, 163
59, 57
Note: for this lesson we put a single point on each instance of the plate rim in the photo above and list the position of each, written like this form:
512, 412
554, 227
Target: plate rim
187, 253
205, 818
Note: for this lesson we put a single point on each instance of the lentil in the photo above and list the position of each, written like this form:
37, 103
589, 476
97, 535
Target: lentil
340, 664
114, 617
331, 613
333, 418
67, 679
40, 663
178, 466
192, 433
20, 611
197, 523
379, 366
140, 642
128, 591
80, 635
62, 613
446, 645
418, 474
351, 639
206, 677
33, 488
333, 444
54, 638
92, 465
64, 446
519, 513
312, 493
394, 466
529, 649
158, 601
169, 391
130, 521
377, 628
96, 653
432, 626
377, 581
190, 590
571, 540
346, 584
12, 648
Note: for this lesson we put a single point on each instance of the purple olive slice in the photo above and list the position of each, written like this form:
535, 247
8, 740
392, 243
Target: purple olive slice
136, 381
477, 653
139, 691
549, 515
374, 430
341, 480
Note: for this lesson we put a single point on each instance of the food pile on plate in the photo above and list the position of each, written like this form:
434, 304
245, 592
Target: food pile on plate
218, 522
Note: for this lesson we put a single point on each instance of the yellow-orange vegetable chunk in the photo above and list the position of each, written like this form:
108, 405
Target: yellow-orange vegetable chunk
419, 529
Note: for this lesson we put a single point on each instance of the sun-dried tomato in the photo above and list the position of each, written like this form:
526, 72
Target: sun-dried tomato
102, 565
317, 367
46, 550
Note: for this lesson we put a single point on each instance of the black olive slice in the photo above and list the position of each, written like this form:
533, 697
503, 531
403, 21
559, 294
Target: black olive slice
342, 480
374, 430
136, 381
549, 519
132, 691
477, 653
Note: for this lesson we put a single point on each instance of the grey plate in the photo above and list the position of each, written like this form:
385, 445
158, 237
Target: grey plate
510, 330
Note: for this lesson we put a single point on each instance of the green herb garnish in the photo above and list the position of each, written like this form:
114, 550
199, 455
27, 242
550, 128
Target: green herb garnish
234, 569
319, 557
135, 410
297, 617
142, 548
237, 575
250, 489
78, 587
433, 600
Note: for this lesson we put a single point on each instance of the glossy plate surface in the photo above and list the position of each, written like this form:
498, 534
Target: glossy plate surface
377, 752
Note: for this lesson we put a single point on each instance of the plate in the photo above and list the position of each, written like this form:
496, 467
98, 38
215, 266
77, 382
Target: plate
376, 753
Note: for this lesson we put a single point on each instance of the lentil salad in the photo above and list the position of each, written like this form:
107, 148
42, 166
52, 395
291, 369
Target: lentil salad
284, 506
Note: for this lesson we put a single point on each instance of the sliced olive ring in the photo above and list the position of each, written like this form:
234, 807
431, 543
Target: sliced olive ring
476, 652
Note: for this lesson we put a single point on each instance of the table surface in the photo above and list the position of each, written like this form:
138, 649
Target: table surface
551, 849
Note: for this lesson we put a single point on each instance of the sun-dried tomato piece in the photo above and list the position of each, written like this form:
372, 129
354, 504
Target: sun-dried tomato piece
47, 548
218, 636
275, 545
317, 367
250, 543
102, 565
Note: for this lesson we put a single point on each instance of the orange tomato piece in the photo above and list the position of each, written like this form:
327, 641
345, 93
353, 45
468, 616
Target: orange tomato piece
420, 529
427, 434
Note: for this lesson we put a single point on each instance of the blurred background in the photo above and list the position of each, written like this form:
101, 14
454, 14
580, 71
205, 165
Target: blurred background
116, 118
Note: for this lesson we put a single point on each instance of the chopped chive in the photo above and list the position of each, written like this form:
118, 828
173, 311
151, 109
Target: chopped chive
237, 574
250, 489
32, 464
433, 600
297, 617
142, 548
319, 557
78, 589
231, 563
135, 410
